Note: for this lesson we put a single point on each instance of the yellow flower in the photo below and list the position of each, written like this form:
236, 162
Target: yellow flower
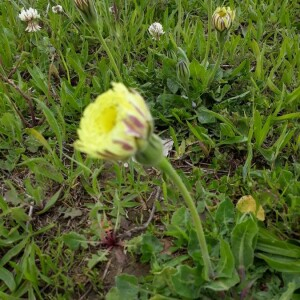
116, 126
222, 18
248, 204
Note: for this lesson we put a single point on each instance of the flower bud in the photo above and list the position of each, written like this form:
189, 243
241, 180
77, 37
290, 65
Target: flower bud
152, 154
87, 10
222, 18
183, 71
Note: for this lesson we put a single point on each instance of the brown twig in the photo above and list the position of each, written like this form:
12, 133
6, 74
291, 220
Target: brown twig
136, 229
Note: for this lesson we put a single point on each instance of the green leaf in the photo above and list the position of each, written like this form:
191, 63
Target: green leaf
50, 202
52, 121
96, 258
226, 263
288, 294
225, 213
243, 242
224, 284
150, 247
7, 278
268, 242
74, 240
281, 263
13, 252
187, 282
127, 286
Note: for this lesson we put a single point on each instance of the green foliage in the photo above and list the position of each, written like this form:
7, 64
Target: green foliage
237, 134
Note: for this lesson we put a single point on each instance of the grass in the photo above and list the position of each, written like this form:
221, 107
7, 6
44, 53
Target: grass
74, 228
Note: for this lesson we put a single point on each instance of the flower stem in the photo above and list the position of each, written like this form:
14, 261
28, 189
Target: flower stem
166, 167
110, 56
221, 41
178, 29
209, 29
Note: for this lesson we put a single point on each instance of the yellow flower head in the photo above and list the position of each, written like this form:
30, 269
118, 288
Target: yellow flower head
116, 126
248, 204
222, 18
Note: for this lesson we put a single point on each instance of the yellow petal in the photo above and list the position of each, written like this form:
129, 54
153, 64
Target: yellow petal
247, 204
115, 125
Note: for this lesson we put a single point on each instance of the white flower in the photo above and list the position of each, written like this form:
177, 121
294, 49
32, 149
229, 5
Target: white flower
28, 15
57, 9
32, 26
156, 30
111, 9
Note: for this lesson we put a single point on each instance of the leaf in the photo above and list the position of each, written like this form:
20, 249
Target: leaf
96, 258
267, 242
172, 85
225, 212
127, 286
226, 263
74, 240
38, 136
13, 252
72, 213
187, 282
7, 278
243, 242
281, 263
150, 247
52, 121
224, 284
50, 202
288, 294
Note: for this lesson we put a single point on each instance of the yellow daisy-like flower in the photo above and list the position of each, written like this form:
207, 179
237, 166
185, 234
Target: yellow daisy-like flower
116, 126
222, 18
248, 204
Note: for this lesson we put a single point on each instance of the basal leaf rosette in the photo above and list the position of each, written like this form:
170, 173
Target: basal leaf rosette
116, 126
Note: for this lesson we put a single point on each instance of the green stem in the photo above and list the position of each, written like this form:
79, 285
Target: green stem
166, 167
219, 59
179, 22
110, 56
209, 29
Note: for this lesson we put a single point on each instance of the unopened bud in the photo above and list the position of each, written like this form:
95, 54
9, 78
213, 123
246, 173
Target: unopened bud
183, 71
222, 18
87, 10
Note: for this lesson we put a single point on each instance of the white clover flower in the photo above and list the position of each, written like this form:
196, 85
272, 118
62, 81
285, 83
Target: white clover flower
28, 15
57, 9
32, 26
156, 30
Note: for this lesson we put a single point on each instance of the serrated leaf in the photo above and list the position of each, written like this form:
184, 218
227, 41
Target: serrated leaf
96, 258
74, 240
